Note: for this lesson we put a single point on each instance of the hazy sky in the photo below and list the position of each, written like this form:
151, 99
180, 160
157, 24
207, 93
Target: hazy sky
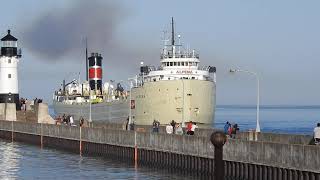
277, 39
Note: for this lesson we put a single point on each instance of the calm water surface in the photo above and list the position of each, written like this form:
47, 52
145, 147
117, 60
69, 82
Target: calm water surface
22, 161
280, 119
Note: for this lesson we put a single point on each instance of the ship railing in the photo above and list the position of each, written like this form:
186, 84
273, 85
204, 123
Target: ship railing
179, 55
204, 68
152, 68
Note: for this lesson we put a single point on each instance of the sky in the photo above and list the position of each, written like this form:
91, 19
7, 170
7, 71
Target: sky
279, 40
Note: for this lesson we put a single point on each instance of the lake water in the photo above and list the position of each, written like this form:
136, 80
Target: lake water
280, 119
22, 161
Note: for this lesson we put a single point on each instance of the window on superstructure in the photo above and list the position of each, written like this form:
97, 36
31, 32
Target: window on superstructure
178, 63
182, 63
9, 61
171, 63
175, 63
9, 75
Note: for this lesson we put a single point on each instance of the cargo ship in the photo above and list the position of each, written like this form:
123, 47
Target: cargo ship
179, 89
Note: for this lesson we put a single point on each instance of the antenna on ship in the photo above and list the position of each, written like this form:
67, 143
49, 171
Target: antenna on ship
87, 76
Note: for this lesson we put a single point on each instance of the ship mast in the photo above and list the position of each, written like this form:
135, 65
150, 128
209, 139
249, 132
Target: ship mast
87, 76
172, 39
172, 31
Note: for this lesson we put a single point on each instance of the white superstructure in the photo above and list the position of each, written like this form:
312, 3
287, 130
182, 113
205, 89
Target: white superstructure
9, 59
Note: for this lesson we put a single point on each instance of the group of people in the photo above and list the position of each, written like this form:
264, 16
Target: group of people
68, 120
23, 104
176, 128
191, 127
65, 119
231, 129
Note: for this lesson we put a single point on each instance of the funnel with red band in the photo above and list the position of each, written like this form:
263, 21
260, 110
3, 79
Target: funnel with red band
95, 71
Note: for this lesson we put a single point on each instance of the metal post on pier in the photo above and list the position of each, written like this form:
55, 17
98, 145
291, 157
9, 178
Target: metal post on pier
258, 130
135, 150
80, 142
41, 136
218, 139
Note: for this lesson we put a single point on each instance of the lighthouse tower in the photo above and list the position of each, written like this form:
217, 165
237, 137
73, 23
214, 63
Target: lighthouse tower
9, 59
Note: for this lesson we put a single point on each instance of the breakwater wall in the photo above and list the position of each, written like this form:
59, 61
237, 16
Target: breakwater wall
244, 159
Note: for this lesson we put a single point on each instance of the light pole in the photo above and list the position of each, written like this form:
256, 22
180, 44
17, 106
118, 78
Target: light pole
130, 88
130, 98
258, 93
90, 106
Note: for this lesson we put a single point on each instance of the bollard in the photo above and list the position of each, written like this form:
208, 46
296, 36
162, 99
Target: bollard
218, 139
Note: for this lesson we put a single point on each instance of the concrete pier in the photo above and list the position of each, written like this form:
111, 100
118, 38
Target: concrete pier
11, 113
243, 159
40, 113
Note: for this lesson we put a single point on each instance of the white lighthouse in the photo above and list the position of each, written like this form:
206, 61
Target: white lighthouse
9, 59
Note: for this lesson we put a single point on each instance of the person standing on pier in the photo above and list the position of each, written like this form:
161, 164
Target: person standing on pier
189, 128
169, 129
226, 127
179, 129
155, 126
173, 124
317, 134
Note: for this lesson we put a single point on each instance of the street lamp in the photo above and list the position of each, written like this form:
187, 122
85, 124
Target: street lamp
258, 93
90, 106
130, 88
130, 99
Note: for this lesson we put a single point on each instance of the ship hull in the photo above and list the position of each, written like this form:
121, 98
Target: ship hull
179, 100
111, 112
164, 101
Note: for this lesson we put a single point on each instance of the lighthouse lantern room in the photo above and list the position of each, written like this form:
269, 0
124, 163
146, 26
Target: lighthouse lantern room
9, 59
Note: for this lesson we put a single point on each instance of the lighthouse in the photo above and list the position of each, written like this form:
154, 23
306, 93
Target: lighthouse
9, 59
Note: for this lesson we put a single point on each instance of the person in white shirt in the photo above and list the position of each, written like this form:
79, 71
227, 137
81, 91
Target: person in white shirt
179, 129
316, 132
71, 120
169, 129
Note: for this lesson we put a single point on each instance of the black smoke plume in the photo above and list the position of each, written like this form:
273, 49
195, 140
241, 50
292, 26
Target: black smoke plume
61, 32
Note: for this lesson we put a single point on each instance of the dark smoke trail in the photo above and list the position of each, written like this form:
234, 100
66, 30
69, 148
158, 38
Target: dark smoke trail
60, 32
